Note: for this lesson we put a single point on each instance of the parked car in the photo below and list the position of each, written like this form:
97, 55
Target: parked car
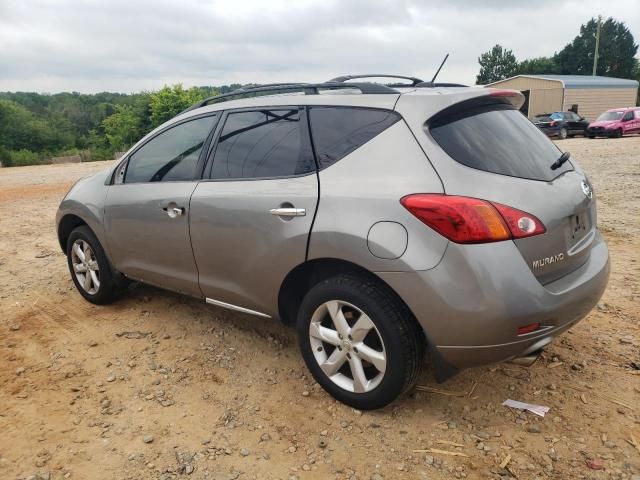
615, 123
561, 124
381, 222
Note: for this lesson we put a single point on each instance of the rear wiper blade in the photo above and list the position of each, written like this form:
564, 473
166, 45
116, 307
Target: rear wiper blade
561, 161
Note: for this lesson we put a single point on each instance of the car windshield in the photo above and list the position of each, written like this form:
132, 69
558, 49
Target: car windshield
608, 116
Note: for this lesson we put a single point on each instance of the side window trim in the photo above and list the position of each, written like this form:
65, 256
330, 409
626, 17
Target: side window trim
305, 135
201, 158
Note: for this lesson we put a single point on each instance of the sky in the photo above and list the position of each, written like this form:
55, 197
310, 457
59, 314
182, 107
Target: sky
127, 46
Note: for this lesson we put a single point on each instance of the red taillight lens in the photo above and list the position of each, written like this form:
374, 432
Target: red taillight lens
521, 224
471, 220
553, 123
503, 93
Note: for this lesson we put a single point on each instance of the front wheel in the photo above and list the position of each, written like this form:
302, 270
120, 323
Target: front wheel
360, 342
618, 133
90, 270
563, 133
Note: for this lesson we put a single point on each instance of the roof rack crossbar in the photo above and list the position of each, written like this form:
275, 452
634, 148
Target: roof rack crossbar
414, 81
307, 88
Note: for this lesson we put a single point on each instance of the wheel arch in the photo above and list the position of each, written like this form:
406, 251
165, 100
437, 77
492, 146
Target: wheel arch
67, 224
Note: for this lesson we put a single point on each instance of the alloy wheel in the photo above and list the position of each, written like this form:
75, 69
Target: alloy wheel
347, 346
85, 266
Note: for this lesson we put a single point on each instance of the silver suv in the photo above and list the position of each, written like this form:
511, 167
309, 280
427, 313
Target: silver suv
379, 220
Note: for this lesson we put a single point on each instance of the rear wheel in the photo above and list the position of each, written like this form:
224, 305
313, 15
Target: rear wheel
89, 267
563, 133
360, 342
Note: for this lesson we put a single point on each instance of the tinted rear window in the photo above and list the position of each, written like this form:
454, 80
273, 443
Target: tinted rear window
498, 139
338, 131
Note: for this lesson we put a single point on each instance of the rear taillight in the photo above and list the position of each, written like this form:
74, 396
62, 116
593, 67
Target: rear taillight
471, 220
521, 224
553, 123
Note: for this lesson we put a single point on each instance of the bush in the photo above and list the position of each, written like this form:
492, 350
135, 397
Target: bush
21, 158
5, 157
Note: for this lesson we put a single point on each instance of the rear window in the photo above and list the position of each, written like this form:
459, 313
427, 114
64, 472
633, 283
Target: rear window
498, 139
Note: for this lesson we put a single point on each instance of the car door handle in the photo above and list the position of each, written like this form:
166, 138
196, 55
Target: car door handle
288, 212
174, 212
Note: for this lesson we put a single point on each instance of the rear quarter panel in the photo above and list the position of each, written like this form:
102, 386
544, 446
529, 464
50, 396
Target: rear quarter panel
365, 188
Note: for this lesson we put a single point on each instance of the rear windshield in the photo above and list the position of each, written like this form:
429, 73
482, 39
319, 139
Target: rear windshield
498, 139
606, 116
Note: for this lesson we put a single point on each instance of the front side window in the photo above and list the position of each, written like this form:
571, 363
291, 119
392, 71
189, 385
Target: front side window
262, 144
498, 139
172, 155
338, 131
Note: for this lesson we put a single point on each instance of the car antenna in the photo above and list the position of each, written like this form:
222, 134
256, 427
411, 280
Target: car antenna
439, 68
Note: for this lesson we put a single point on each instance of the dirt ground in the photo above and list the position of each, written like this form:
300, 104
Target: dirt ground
159, 386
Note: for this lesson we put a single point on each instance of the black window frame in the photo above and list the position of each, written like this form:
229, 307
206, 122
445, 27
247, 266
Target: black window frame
200, 164
305, 136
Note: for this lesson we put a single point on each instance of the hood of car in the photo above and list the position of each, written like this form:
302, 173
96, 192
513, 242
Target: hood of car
604, 123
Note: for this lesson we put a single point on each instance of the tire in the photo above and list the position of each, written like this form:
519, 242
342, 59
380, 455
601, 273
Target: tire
591, 136
563, 133
618, 133
104, 290
394, 342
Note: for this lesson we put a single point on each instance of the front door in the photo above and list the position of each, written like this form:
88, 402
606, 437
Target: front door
251, 219
147, 208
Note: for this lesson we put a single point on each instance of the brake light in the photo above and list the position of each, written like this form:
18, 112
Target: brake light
471, 220
553, 123
503, 93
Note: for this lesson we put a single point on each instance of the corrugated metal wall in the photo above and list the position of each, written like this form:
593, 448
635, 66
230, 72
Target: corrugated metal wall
546, 100
593, 101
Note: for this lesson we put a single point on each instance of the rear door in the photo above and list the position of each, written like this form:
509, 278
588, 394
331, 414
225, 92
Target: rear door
147, 207
252, 214
494, 153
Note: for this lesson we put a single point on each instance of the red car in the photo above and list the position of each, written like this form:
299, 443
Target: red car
615, 123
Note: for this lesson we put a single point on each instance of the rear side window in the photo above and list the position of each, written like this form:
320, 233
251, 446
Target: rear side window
338, 131
172, 155
498, 139
262, 144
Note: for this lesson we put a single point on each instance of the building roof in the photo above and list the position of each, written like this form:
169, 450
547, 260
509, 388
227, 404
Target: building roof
583, 81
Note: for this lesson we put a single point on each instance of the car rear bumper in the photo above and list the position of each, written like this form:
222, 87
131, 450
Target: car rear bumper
471, 305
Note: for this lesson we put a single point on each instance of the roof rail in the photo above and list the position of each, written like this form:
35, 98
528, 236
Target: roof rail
308, 88
414, 81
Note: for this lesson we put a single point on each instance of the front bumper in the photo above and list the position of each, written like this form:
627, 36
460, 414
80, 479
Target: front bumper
550, 131
471, 305
600, 132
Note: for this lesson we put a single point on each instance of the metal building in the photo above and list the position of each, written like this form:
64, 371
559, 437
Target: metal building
587, 95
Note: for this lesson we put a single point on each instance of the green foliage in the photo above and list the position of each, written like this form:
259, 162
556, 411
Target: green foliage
617, 50
24, 157
5, 157
496, 64
122, 128
537, 66
170, 101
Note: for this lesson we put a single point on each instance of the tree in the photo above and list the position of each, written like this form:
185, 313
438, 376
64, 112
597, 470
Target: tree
616, 56
496, 64
537, 66
122, 128
170, 101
